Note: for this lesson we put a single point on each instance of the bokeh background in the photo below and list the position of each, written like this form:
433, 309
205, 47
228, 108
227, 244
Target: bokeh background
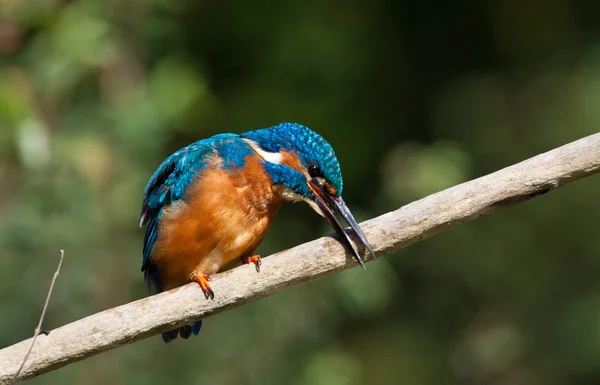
415, 96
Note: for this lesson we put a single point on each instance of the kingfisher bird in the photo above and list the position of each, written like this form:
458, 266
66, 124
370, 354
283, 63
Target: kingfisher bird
209, 205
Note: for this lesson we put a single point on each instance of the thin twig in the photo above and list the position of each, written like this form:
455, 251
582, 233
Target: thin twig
38, 329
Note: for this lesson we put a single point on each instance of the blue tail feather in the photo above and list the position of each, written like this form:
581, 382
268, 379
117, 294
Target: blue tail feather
170, 335
196, 327
185, 332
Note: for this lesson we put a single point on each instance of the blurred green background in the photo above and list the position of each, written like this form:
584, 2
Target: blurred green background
415, 96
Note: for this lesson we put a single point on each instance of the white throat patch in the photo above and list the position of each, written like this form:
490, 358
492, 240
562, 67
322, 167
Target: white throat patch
289, 195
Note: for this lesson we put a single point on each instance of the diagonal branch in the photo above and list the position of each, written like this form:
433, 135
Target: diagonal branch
388, 233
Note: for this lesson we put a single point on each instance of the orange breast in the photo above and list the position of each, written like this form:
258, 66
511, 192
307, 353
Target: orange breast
225, 216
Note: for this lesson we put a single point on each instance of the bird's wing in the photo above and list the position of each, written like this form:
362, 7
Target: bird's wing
170, 181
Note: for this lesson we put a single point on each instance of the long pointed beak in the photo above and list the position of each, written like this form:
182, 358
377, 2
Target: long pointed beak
322, 199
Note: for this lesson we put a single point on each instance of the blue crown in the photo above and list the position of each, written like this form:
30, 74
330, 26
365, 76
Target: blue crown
302, 141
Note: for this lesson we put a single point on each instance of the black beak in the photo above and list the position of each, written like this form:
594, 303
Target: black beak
323, 200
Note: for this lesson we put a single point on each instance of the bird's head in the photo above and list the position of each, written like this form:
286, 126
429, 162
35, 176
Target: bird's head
306, 166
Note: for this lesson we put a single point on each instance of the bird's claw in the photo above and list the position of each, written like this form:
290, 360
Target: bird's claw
203, 280
253, 259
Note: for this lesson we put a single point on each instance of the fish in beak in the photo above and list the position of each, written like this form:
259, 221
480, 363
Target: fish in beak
324, 200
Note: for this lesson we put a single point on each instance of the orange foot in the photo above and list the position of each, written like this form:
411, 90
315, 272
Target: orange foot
253, 259
203, 282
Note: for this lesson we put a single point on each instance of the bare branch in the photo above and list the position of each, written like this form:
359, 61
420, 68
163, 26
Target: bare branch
38, 329
388, 233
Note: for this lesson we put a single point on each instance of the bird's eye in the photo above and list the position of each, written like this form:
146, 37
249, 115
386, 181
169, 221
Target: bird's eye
314, 170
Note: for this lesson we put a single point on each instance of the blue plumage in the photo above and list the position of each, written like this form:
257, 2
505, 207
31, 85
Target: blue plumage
173, 177
288, 177
170, 181
175, 174
233, 153
169, 184
307, 144
317, 179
